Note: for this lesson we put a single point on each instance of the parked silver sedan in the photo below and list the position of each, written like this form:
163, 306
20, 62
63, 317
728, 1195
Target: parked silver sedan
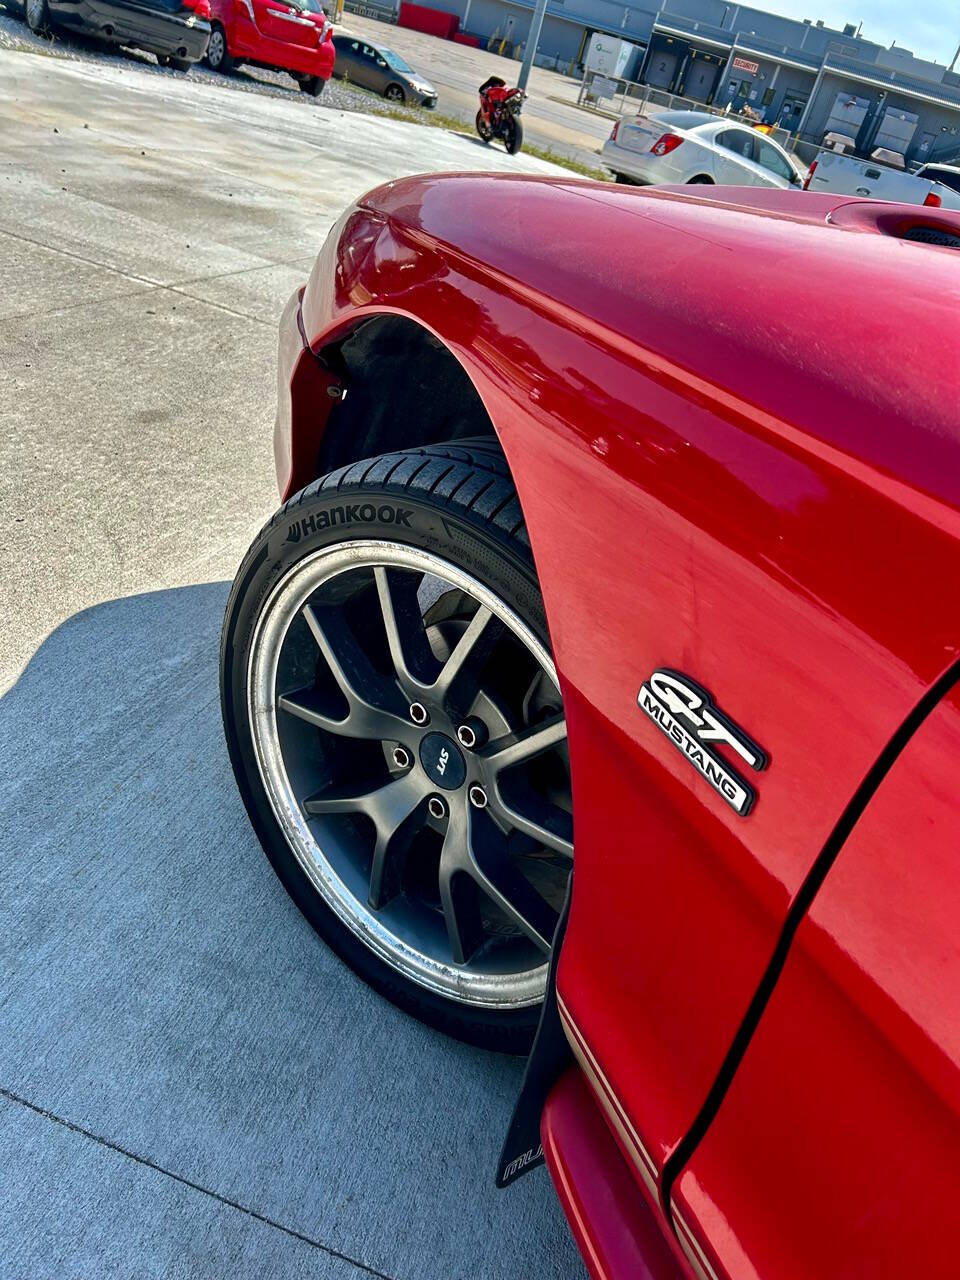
696, 146
374, 67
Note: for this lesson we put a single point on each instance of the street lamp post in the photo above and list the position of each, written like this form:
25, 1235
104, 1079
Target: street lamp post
533, 39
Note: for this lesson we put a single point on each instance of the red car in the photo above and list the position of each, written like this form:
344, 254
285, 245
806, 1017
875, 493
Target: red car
280, 35
636, 512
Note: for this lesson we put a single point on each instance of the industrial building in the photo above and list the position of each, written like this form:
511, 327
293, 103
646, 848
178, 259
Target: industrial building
803, 76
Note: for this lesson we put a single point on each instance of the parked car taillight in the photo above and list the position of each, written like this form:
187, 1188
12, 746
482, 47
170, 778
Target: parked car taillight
663, 146
326, 31
810, 173
200, 7
616, 130
933, 200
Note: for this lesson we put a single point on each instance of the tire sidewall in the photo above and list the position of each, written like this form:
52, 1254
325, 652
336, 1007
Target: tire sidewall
314, 521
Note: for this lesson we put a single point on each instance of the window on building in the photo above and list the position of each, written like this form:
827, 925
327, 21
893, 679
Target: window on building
768, 97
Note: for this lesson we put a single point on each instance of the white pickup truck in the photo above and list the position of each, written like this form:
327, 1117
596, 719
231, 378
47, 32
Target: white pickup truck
934, 185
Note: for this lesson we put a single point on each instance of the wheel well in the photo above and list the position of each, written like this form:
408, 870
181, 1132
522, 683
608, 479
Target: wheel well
404, 389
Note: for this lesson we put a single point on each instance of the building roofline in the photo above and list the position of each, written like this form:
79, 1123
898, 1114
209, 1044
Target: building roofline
891, 86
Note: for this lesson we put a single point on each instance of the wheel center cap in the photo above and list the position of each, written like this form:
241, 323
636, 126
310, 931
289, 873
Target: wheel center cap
442, 761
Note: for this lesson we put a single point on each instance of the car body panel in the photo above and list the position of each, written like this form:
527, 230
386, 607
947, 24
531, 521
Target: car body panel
272, 34
167, 29
716, 148
767, 491
615, 1235
371, 67
855, 1067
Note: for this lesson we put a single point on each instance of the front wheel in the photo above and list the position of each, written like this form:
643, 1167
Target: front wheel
701, 179
394, 93
483, 128
513, 136
218, 56
397, 732
37, 14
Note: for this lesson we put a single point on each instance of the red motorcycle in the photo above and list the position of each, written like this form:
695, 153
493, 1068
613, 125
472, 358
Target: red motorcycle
499, 114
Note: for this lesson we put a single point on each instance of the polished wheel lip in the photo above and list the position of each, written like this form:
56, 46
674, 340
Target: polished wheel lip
34, 13
503, 992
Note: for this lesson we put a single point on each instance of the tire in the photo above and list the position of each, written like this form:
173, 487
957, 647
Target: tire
513, 136
483, 128
217, 56
701, 179
622, 178
395, 93
178, 64
313, 85
453, 508
37, 16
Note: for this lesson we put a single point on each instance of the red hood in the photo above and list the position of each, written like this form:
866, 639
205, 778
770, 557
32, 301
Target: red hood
822, 287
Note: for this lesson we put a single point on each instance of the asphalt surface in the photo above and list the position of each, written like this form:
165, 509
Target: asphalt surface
551, 118
190, 1083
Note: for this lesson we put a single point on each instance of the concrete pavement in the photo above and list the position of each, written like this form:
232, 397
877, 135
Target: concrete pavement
190, 1083
551, 117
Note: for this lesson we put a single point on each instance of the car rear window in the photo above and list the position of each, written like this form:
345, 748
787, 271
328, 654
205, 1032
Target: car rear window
949, 177
682, 119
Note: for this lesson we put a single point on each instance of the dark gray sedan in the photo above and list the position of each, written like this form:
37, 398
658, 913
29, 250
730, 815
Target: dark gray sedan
374, 67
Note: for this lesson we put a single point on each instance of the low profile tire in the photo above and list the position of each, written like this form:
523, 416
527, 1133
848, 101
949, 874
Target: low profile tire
483, 128
37, 15
700, 180
178, 64
313, 85
218, 56
395, 93
513, 139
397, 733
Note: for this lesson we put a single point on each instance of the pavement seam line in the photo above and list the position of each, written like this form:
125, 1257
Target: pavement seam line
193, 1186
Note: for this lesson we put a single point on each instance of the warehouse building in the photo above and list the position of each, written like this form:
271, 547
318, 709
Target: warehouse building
803, 76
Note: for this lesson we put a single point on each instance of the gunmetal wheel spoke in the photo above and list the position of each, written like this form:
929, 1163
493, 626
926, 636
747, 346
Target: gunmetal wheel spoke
553, 828
521, 747
496, 875
304, 704
403, 623
396, 811
368, 694
469, 654
458, 896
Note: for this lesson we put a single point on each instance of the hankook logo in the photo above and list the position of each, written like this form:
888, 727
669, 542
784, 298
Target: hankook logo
691, 720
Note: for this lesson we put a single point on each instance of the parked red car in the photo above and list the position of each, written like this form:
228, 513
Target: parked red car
280, 35
658, 540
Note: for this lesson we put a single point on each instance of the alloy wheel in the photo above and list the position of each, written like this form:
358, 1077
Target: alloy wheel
409, 732
215, 48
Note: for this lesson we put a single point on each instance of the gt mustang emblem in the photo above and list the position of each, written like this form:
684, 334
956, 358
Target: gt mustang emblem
690, 719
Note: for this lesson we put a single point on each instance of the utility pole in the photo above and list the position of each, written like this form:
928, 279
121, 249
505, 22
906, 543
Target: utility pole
533, 39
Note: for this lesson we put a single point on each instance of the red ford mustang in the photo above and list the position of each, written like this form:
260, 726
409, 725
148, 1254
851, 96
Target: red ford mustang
636, 513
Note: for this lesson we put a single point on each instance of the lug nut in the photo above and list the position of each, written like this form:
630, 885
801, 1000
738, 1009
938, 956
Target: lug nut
477, 796
401, 757
472, 733
419, 713
436, 807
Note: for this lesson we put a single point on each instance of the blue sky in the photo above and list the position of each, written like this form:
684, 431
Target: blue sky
930, 28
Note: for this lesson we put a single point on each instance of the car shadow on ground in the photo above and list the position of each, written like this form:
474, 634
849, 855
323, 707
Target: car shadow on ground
160, 991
